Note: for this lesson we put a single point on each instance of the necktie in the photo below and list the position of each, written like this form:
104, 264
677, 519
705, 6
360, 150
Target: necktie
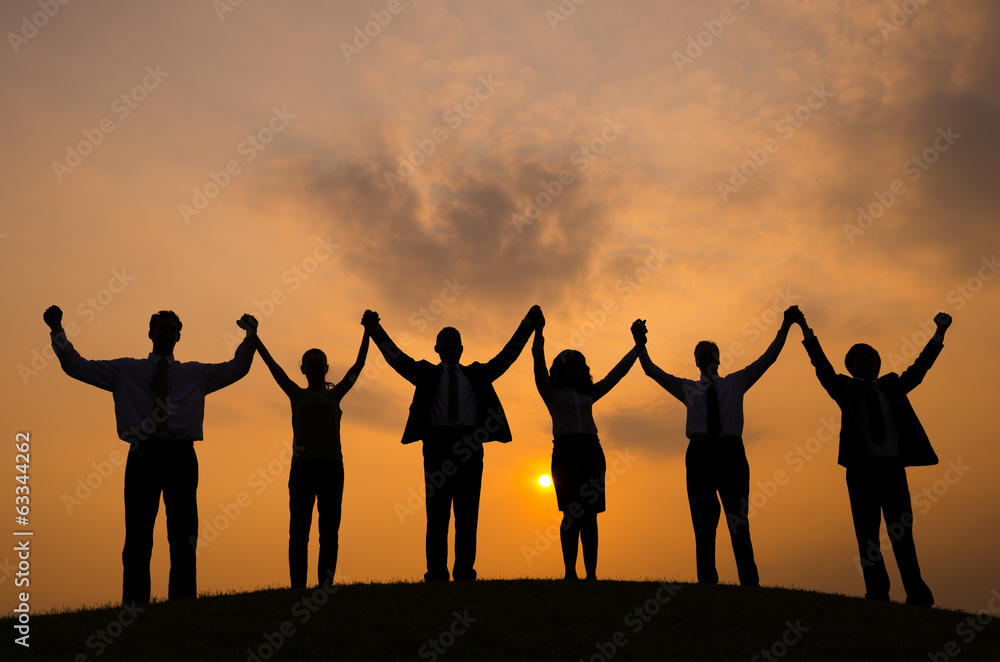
452, 394
876, 422
159, 386
714, 419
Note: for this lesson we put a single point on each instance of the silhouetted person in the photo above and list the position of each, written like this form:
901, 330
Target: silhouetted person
716, 459
880, 436
317, 471
578, 463
454, 411
159, 408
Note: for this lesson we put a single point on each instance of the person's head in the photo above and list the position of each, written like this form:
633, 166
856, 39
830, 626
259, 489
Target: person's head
449, 345
164, 331
315, 367
570, 368
863, 362
706, 357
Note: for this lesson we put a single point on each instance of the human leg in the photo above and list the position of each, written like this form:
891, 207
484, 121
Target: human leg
180, 501
142, 502
704, 504
329, 503
301, 496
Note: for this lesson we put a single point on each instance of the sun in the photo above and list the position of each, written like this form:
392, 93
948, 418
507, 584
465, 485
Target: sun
544, 481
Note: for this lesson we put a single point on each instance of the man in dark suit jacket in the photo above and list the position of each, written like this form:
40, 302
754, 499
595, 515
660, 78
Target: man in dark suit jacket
880, 436
455, 409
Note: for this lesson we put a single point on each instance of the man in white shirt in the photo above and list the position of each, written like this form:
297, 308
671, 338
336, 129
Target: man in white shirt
160, 409
716, 459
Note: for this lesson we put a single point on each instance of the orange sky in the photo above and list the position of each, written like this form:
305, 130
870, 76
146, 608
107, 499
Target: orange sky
697, 165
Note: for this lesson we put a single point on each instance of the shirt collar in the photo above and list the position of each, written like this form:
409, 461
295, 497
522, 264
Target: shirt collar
157, 357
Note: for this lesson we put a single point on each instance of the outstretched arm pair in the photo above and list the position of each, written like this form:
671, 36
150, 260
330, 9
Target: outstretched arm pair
291, 388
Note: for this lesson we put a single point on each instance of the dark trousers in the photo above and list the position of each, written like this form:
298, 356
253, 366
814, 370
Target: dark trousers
321, 482
878, 487
170, 469
718, 469
453, 477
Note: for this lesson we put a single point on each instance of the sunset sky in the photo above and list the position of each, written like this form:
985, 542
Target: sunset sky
450, 163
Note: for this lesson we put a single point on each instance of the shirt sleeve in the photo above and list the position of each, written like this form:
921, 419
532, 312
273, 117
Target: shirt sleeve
673, 385
102, 374
220, 375
749, 375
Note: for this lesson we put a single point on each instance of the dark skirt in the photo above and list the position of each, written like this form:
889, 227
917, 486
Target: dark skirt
578, 468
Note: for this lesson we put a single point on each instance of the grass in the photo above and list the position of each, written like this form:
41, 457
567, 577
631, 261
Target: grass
523, 619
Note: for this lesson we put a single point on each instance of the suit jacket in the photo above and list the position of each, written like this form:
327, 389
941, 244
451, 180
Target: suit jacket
914, 446
426, 376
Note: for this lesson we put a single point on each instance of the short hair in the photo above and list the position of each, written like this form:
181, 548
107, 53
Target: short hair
856, 352
703, 344
164, 313
446, 330
315, 352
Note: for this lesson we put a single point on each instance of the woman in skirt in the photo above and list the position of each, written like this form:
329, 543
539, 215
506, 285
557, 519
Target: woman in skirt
578, 464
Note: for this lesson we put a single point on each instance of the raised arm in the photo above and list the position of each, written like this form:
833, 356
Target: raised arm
395, 357
538, 354
102, 374
499, 363
220, 375
913, 375
287, 385
602, 387
756, 370
345, 384
827, 376
671, 384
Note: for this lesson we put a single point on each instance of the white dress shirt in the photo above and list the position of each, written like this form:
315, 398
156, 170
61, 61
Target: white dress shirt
130, 382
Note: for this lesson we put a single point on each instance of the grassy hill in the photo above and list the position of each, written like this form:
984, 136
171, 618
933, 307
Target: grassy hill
514, 620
